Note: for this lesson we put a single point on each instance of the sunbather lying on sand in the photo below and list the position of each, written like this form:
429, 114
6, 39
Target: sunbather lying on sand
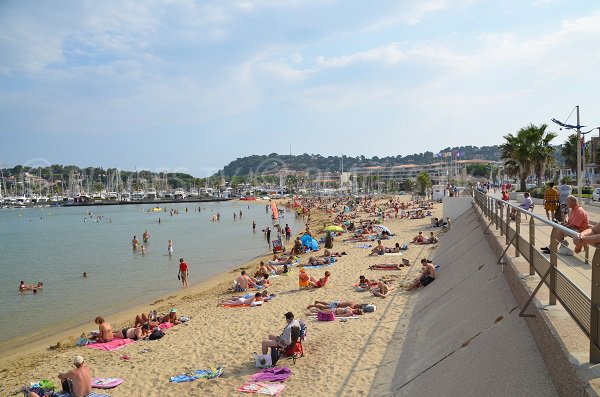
320, 282
328, 253
322, 305
339, 312
134, 333
243, 301
382, 290
387, 266
314, 261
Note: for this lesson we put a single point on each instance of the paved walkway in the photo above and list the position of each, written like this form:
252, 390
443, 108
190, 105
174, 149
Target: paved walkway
464, 336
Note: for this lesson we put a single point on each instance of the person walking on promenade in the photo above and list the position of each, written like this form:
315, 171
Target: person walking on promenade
550, 201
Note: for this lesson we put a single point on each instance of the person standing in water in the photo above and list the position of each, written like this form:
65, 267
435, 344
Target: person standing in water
170, 247
254, 226
183, 272
134, 243
268, 235
146, 236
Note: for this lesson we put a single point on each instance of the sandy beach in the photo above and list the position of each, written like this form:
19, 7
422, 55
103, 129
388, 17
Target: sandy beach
341, 357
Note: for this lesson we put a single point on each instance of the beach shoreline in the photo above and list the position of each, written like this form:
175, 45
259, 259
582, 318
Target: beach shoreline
220, 336
13, 349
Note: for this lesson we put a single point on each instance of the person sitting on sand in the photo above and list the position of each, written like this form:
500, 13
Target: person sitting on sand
105, 331
264, 282
243, 301
340, 311
419, 238
314, 261
378, 250
297, 249
322, 305
171, 317
427, 275
285, 339
387, 266
77, 382
383, 289
431, 239
265, 269
320, 282
244, 282
134, 333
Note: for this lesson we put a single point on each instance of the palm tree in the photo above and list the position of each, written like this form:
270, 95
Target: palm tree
542, 152
569, 152
529, 150
423, 182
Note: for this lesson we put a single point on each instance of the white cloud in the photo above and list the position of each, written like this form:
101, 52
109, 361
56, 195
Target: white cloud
386, 54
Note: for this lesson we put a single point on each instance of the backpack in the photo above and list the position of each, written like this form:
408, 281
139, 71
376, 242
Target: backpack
325, 316
156, 334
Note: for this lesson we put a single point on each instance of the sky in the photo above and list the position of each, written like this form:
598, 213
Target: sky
188, 86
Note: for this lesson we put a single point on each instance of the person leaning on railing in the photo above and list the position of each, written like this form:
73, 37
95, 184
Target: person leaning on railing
577, 220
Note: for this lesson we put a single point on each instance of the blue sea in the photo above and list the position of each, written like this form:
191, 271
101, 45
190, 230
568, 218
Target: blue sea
56, 245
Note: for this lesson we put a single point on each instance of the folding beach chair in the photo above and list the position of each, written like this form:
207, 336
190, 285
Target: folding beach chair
295, 349
277, 245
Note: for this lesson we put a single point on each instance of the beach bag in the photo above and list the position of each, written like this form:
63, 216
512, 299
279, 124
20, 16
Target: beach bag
370, 308
325, 316
156, 334
263, 360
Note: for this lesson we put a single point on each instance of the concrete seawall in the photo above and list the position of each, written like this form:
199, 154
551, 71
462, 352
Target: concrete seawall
464, 336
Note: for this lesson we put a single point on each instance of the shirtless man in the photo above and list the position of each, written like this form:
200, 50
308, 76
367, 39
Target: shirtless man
322, 305
382, 290
378, 250
427, 275
146, 236
134, 243
244, 282
419, 238
80, 378
105, 332
340, 311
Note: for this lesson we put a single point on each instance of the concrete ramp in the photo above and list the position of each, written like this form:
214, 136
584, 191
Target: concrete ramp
464, 336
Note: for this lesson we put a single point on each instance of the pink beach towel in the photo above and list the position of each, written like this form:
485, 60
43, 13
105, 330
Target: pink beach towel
115, 344
272, 389
164, 326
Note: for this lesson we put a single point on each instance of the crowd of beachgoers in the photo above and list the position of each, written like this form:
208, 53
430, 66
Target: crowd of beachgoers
311, 261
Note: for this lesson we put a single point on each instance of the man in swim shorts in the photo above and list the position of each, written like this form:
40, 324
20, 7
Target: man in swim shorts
427, 275
77, 382
244, 282
183, 272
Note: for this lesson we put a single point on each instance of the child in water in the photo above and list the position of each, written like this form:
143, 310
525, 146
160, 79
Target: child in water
170, 247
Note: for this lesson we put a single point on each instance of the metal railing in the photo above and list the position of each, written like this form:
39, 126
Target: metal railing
583, 309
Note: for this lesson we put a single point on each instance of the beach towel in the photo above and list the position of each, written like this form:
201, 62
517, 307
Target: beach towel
164, 326
210, 373
92, 394
364, 246
276, 374
314, 317
316, 266
106, 383
271, 389
394, 253
115, 344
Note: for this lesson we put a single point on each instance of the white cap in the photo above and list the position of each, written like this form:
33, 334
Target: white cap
77, 360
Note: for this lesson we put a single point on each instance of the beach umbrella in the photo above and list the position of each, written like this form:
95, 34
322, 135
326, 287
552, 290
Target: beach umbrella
382, 228
334, 228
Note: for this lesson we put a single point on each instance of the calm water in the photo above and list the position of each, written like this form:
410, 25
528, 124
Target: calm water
55, 246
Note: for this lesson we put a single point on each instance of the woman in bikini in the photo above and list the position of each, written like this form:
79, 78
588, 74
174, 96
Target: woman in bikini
340, 311
243, 300
133, 333
320, 282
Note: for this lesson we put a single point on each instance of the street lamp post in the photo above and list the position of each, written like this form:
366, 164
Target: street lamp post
580, 158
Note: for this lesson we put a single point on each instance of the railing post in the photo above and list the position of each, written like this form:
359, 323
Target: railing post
500, 221
531, 245
594, 317
553, 263
507, 224
517, 232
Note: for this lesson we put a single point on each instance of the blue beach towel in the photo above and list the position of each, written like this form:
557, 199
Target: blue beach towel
364, 246
211, 373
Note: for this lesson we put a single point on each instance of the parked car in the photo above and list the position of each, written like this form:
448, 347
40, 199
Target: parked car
596, 194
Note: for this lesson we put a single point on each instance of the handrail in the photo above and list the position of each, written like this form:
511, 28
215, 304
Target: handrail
563, 229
